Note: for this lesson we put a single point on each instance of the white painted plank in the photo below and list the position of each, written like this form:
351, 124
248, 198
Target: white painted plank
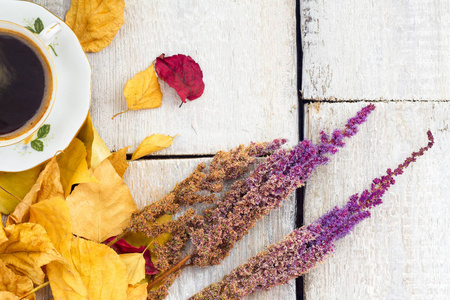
365, 49
401, 251
152, 179
247, 52
248, 55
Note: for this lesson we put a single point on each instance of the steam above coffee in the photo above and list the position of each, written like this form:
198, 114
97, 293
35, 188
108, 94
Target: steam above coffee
24, 78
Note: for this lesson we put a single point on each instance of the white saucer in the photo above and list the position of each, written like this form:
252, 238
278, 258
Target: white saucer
73, 94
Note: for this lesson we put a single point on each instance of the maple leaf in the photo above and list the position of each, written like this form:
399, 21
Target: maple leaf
27, 249
9, 180
101, 210
151, 144
16, 284
48, 185
95, 22
183, 74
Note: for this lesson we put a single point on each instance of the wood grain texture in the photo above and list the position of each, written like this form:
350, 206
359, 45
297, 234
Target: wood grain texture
401, 251
365, 49
247, 52
152, 179
248, 55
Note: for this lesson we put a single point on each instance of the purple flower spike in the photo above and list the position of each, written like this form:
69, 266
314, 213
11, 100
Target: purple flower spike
305, 247
215, 234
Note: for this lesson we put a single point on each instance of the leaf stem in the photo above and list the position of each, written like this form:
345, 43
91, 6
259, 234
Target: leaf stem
119, 114
10, 193
170, 271
149, 244
117, 238
35, 290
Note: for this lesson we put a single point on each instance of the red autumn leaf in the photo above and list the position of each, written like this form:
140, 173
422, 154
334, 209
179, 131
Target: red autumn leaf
121, 247
183, 74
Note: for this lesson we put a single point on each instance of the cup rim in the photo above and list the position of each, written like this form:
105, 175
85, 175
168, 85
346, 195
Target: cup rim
43, 49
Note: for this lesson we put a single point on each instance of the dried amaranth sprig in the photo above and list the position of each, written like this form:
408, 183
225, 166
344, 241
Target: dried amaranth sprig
215, 233
304, 248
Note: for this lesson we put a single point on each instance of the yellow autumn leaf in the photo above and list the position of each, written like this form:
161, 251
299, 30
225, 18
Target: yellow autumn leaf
139, 239
135, 264
73, 166
95, 22
54, 216
101, 210
143, 91
48, 185
3, 237
95, 271
16, 284
96, 149
151, 144
119, 161
8, 296
99, 150
27, 249
137, 292
9, 180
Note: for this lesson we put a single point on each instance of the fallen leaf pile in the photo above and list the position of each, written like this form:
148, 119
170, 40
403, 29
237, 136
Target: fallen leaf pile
66, 217
58, 234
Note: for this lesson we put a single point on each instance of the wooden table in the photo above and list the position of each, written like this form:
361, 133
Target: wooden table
353, 51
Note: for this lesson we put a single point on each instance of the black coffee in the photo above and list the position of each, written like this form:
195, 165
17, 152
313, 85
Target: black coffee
22, 83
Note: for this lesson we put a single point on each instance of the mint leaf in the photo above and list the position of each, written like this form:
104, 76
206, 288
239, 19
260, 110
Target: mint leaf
37, 145
38, 25
43, 131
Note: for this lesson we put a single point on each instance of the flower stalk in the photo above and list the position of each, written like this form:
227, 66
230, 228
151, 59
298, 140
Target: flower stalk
305, 247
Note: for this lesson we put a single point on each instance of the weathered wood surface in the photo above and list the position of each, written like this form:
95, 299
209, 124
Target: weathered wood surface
365, 49
247, 51
401, 252
248, 55
152, 179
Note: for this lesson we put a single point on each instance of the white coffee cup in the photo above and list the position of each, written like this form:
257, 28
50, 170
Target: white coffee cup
40, 45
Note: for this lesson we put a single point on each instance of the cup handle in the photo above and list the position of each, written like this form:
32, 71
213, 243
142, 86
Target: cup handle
49, 33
